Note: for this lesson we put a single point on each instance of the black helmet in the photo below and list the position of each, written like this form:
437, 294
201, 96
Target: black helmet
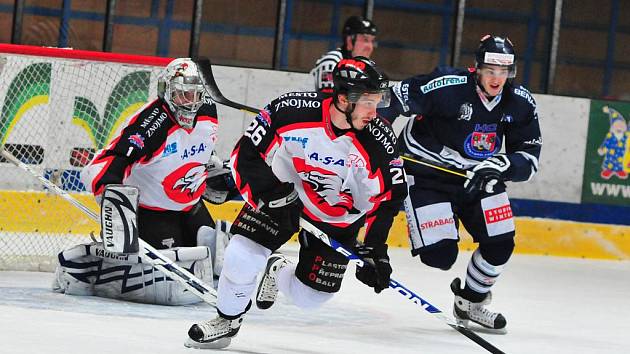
359, 74
358, 25
495, 50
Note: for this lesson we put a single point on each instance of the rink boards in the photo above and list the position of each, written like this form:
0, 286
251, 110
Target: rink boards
41, 213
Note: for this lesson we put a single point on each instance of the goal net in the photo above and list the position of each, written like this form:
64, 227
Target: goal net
57, 107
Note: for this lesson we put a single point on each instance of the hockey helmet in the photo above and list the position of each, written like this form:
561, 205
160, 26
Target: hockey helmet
496, 50
357, 76
180, 85
358, 25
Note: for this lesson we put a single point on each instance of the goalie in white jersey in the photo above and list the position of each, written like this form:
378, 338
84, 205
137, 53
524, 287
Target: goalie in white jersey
165, 151
329, 160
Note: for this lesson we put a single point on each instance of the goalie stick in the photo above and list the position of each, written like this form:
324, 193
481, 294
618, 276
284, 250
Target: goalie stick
401, 289
148, 254
205, 67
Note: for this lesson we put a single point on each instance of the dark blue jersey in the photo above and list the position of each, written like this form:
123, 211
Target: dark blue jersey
456, 125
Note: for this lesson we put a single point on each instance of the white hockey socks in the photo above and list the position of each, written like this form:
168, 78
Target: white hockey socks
481, 275
244, 260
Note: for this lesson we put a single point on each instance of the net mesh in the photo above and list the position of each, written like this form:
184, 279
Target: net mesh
55, 113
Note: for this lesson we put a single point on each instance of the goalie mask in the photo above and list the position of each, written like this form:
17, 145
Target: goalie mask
180, 85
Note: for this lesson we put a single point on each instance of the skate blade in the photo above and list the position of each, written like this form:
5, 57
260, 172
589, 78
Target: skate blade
476, 327
217, 344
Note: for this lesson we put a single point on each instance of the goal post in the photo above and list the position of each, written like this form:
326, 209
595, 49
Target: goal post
57, 107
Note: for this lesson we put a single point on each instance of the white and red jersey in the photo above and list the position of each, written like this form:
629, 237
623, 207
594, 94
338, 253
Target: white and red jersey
165, 161
342, 176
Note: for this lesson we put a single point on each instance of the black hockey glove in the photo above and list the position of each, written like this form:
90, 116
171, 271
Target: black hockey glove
220, 186
283, 206
375, 273
487, 174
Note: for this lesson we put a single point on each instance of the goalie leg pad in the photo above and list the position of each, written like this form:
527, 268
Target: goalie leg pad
89, 269
217, 240
119, 224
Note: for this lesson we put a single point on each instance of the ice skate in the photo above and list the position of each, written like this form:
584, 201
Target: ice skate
268, 287
465, 311
213, 334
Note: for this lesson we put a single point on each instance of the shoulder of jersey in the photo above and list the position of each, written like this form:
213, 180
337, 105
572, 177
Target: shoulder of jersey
208, 109
148, 127
522, 95
443, 77
381, 135
297, 106
334, 55
152, 117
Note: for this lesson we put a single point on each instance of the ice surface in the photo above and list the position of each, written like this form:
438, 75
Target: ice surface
553, 305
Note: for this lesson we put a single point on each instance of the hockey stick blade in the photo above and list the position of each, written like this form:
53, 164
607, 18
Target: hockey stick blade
148, 254
205, 67
400, 288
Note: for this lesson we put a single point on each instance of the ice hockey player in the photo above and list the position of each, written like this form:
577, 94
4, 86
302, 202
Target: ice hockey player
480, 121
331, 161
162, 155
358, 38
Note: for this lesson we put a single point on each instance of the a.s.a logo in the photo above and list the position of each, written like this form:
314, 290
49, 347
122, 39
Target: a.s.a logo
186, 184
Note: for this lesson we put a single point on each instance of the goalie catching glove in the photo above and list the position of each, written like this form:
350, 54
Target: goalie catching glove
376, 272
283, 206
487, 174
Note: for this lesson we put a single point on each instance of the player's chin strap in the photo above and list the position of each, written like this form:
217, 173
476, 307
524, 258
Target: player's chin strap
400, 288
347, 113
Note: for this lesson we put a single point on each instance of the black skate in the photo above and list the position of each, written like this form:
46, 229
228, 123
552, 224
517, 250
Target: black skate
213, 334
268, 287
465, 311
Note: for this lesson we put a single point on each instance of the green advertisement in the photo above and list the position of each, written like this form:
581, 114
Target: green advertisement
607, 160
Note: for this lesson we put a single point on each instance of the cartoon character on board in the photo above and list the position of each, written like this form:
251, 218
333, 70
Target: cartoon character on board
614, 146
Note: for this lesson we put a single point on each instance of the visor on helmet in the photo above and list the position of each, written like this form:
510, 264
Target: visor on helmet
361, 98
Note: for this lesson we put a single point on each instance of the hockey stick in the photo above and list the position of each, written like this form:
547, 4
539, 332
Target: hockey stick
206, 71
148, 254
468, 174
401, 289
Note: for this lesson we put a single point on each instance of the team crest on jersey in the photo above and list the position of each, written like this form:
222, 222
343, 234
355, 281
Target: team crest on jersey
483, 142
186, 183
137, 140
465, 111
325, 189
